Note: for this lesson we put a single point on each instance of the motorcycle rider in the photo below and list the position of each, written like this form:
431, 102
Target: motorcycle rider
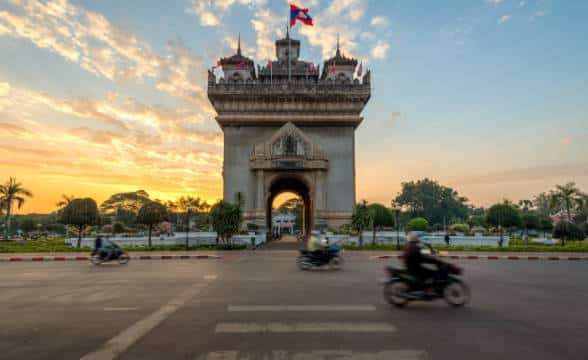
414, 259
316, 244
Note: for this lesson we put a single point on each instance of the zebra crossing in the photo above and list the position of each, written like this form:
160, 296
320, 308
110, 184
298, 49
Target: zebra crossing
283, 321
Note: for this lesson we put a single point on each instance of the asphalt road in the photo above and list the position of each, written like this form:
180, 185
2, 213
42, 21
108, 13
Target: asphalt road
259, 306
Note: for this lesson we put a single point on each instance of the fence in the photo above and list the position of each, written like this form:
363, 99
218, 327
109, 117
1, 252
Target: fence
194, 239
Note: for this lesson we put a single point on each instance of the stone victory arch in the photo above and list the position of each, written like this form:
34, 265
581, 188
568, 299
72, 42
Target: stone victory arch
290, 129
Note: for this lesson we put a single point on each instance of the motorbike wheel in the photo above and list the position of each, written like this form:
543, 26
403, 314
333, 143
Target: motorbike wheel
124, 259
336, 263
303, 262
96, 259
456, 294
395, 293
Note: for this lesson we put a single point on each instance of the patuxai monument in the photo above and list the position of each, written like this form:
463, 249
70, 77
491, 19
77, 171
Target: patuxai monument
290, 126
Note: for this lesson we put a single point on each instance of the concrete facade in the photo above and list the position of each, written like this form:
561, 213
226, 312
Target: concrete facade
290, 128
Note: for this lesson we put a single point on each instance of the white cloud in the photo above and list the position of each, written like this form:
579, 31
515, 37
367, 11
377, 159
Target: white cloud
537, 14
494, 2
503, 19
351, 9
379, 21
380, 50
4, 88
522, 4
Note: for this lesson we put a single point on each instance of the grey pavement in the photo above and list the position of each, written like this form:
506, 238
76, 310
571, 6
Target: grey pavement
258, 305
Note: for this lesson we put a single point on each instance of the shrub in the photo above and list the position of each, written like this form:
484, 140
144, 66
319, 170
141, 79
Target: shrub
252, 227
462, 228
418, 224
565, 230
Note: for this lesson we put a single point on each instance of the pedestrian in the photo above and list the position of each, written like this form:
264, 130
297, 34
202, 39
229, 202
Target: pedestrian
447, 239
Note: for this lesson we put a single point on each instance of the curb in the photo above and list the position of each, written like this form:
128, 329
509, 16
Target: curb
86, 258
492, 257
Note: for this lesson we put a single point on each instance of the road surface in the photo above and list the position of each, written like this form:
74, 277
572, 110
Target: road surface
257, 305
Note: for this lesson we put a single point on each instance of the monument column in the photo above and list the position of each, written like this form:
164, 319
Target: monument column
260, 202
320, 200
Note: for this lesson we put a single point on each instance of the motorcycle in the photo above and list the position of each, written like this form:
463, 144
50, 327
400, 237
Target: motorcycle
311, 259
400, 287
97, 258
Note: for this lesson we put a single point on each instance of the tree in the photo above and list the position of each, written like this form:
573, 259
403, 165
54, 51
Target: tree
10, 192
477, 221
418, 224
118, 227
381, 217
542, 204
567, 197
461, 228
503, 215
529, 221
64, 201
80, 213
545, 224
525, 205
150, 214
427, 198
27, 225
190, 206
226, 219
125, 206
361, 219
565, 230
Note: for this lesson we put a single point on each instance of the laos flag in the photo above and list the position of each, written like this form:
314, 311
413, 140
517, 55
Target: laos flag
297, 13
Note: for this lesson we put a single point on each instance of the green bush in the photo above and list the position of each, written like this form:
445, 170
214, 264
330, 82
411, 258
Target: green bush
418, 224
568, 231
462, 228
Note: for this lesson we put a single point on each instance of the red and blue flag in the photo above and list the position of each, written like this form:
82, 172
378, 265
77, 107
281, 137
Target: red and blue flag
301, 14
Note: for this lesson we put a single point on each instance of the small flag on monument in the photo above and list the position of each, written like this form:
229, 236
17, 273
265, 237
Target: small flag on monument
297, 13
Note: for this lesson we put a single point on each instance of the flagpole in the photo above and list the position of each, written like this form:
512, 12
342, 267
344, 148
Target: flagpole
289, 53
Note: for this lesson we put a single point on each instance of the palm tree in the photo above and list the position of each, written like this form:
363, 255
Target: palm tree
9, 192
525, 205
567, 197
542, 203
65, 200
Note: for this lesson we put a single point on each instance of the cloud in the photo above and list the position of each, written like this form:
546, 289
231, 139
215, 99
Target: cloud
494, 2
526, 174
4, 88
394, 118
503, 19
522, 4
15, 150
538, 14
567, 140
379, 21
7, 129
380, 50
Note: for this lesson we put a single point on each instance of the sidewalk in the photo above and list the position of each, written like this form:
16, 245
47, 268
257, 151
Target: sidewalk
488, 255
135, 255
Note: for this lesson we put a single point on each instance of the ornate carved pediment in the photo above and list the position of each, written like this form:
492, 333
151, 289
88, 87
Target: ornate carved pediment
288, 148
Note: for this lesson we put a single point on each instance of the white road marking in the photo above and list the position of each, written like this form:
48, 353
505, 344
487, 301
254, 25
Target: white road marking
304, 308
120, 308
210, 277
319, 355
118, 344
302, 327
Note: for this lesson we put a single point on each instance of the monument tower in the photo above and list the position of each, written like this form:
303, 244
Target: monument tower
290, 128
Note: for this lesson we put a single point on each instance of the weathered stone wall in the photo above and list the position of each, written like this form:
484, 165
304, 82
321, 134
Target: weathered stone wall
337, 185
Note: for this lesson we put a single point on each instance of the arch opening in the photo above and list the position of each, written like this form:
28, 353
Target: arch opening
289, 194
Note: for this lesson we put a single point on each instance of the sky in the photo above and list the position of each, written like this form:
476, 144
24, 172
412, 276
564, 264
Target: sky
489, 97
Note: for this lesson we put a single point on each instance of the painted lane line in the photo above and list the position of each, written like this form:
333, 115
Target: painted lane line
120, 308
121, 342
302, 327
318, 355
303, 308
210, 277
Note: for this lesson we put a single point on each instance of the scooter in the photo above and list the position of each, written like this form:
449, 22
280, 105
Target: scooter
97, 258
330, 257
400, 287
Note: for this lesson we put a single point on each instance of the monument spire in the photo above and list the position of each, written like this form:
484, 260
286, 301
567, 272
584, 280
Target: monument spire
338, 53
239, 45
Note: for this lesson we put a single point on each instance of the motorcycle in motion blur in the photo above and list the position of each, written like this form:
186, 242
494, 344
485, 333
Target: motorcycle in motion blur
330, 256
401, 287
106, 251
